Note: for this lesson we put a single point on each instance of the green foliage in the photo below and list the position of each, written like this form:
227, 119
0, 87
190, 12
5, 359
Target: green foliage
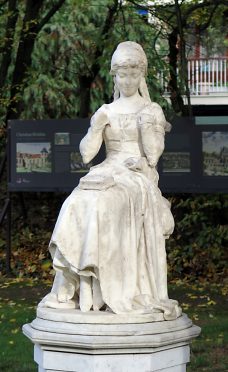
67, 48
74, 43
79, 40
197, 249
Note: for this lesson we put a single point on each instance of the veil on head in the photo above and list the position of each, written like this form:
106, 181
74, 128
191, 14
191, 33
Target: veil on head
130, 53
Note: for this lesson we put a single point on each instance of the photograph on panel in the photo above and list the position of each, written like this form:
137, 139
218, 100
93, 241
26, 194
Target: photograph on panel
215, 153
33, 157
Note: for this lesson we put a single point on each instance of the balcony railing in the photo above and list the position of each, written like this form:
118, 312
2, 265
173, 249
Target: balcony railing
206, 76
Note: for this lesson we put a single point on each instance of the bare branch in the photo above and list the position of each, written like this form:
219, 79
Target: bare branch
124, 20
204, 4
207, 24
109, 21
48, 16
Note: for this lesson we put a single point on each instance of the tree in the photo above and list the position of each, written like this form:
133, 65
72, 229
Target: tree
21, 49
178, 19
71, 60
57, 65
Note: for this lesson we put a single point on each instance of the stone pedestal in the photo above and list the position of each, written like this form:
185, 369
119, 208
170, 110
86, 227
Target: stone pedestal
101, 342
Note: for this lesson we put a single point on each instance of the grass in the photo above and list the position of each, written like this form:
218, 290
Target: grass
204, 304
18, 301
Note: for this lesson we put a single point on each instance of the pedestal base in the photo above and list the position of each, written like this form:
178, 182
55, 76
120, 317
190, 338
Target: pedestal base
100, 347
168, 360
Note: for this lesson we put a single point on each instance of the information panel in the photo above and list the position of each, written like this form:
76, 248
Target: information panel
44, 155
195, 159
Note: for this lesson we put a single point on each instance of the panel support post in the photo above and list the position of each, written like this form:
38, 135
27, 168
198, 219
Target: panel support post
8, 236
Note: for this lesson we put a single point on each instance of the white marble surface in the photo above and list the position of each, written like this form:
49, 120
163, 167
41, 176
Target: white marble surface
99, 317
108, 245
171, 360
75, 319
146, 347
102, 337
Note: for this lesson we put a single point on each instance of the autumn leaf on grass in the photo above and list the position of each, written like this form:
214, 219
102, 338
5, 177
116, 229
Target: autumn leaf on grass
195, 317
192, 296
210, 302
41, 256
32, 268
224, 290
185, 306
15, 331
11, 303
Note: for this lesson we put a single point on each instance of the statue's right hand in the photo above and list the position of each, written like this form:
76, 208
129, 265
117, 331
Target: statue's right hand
99, 120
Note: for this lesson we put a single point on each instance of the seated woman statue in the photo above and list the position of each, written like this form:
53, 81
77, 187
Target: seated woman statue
108, 245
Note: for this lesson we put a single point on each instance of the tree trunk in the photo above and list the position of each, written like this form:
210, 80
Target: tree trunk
176, 98
85, 82
24, 57
30, 29
84, 95
183, 70
6, 50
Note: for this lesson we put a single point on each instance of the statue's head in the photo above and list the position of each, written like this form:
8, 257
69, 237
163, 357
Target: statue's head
129, 54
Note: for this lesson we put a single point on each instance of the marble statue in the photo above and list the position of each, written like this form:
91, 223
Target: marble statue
108, 245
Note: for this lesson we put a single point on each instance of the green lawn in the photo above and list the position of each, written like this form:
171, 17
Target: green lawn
204, 304
207, 307
18, 302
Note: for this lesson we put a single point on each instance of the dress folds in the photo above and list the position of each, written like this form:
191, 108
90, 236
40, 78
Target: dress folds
112, 228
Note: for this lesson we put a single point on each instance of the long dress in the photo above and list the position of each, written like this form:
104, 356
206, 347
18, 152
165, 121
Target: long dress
113, 226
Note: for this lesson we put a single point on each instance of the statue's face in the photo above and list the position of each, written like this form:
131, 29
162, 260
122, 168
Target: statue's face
128, 80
